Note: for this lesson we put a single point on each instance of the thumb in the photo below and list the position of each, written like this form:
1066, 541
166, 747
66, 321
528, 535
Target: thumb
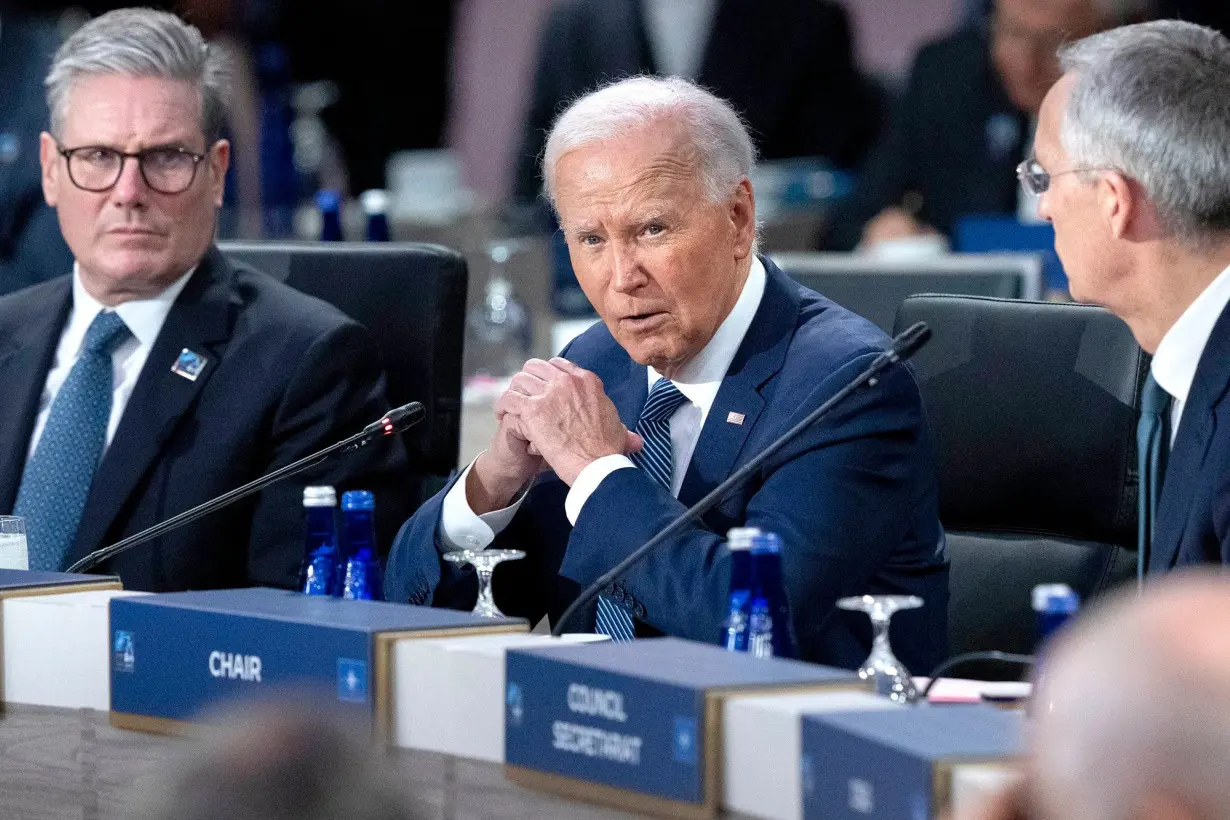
633, 443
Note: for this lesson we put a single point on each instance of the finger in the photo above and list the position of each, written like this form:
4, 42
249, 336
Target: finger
633, 444
560, 363
541, 369
510, 402
527, 384
532, 450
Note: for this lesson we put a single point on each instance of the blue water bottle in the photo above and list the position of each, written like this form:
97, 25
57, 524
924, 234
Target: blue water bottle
361, 578
1053, 605
375, 204
329, 203
734, 625
319, 573
769, 632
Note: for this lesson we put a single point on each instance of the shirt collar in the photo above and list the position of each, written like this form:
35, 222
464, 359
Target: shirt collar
1178, 354
700, 378
144, 317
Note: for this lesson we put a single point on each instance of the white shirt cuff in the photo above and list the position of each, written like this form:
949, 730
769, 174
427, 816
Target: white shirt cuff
588, 480
462, 529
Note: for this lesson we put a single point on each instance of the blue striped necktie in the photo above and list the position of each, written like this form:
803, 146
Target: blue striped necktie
655, 459
57, 477
1152, 447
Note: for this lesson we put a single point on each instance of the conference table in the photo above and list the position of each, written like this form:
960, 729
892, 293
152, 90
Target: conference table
71, 763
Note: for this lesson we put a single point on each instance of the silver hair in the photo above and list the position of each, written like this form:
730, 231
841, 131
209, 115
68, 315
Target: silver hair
724, 152
1152, 100
141, 42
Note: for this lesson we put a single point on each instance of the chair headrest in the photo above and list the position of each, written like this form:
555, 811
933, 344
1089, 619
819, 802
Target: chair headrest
1033, 406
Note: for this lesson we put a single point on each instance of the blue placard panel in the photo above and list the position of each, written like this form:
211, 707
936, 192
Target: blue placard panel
1004, 234
12, 579
631, 715
176, 654
862, 765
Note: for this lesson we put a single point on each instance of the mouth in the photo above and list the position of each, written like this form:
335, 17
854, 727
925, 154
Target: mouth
639, 322
134, 232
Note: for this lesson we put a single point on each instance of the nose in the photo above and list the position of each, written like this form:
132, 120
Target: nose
628, 275
130, 189
1044, 206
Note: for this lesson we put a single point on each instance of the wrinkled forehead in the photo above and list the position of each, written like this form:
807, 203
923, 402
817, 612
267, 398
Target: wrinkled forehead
637, 165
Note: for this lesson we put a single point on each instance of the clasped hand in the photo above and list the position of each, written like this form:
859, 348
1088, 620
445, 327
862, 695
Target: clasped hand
554, 414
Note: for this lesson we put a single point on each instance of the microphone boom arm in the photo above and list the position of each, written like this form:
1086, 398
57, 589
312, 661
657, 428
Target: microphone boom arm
394, 421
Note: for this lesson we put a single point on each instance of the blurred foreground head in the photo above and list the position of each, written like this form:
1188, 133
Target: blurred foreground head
281, 763
1132, 716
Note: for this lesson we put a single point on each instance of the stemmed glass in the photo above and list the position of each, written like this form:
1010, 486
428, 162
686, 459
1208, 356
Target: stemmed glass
484, 563
886, 673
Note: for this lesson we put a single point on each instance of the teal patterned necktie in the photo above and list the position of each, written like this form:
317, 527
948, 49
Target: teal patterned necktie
655, 459
57, 478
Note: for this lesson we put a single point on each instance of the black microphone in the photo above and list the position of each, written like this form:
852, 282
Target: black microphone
394, 421
904, 345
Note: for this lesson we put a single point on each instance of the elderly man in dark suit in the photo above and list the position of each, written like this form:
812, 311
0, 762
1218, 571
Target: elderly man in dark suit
706, 353
1132, 167
158, 375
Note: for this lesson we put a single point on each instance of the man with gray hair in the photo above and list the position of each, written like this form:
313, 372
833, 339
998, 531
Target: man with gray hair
706, 353
1132, 712
1132, 167
157, 375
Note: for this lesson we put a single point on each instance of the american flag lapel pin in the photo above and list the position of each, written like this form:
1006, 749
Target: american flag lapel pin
734, 418
189, 364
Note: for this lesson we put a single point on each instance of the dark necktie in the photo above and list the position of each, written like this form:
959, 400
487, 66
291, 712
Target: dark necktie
655, 459
1152, 447
57, 477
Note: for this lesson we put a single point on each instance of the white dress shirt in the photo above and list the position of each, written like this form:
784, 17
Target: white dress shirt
144, 318
678, 33
1178, 354
698, 380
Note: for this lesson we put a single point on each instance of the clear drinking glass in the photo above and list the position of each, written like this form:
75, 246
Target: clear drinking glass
484, 562
14, 554
887, 675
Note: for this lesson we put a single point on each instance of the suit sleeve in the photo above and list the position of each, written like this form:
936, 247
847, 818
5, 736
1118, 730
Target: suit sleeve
841, 497
337, 388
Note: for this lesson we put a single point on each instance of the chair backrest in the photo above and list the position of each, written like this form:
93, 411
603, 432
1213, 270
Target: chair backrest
412, 298
1033, 407
874, 288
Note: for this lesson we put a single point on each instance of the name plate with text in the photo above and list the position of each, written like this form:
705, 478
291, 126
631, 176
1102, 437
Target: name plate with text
636, 724
177, 654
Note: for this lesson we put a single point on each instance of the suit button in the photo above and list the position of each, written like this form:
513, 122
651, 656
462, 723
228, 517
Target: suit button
619, 595
638, 610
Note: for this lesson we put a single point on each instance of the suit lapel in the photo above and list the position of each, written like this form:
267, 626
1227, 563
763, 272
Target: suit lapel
758, 359
629, 392
199, 321
1197, 426
25, 359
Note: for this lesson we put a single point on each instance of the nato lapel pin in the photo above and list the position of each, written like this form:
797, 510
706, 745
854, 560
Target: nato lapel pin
734, 418
189, 364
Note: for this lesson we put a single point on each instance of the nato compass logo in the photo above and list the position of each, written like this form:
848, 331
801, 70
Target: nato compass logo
124, 659
516, 706
684, 740
351, 680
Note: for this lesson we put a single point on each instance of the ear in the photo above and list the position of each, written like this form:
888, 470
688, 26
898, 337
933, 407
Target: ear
49, 157
218, 160
743, 218
1119, 203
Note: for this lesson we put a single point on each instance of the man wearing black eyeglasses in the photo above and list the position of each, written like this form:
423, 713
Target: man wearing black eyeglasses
157, 375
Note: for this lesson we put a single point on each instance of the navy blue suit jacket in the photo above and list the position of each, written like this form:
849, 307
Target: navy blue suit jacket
286, 375
853, 498
1193, 513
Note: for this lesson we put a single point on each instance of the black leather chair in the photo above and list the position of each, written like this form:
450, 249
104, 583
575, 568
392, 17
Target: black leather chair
412, 297
1033, 406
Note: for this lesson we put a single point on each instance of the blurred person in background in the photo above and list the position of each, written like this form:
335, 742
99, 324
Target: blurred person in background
1131, 715
966, 120
31, 248
787, 66
284, 762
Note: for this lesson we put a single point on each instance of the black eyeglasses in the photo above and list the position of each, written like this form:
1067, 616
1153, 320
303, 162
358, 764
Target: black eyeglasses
1037, 180
96, 168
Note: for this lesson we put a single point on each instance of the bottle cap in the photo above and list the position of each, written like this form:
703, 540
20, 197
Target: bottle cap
319, 497
1055, 598
766, 543
329, 200
740, 538
358, 500
374, 201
